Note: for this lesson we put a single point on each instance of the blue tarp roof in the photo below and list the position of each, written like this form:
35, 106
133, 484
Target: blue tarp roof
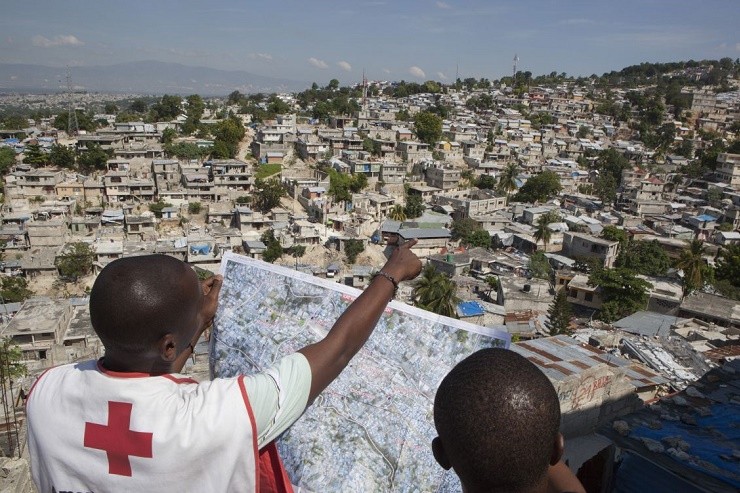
469, 309
706, 217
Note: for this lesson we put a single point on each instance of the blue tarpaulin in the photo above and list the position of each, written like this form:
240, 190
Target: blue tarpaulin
200, 249
469, 309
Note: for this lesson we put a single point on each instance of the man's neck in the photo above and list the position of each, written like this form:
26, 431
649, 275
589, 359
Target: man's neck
127, 363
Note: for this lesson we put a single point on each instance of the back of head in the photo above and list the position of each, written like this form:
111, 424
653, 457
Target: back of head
136, 300
497, 416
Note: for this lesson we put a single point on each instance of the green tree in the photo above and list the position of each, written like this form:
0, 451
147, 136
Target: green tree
167, 108
94, 158
371, 146
193, 112
696, 271
339, 186
493, 285
14, 289
612, 162
76, 260
644, 257
62, 156
403, 115
358, 182
139, 106
542, 232
507, 181
728, 264
428, 127
463, 228
540, 188
352, 248
187, 150
168, 135
274, 250
613, 233
414, 206
397, 213
33, 154
727, 272
435, 292
486, 182
156, 207
297, 251
539, 266
267, 194
194, 207
14, 122
480, 238
605, 188
622, 291
110, 108
230, 132
7, 159
559, 314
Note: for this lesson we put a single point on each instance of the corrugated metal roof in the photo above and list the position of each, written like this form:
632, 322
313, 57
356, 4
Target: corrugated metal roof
561, 356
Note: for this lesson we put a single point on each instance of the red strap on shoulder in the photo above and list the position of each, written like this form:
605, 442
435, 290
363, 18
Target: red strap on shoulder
273, 477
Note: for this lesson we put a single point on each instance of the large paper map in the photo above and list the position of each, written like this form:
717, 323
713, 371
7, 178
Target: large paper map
371, 429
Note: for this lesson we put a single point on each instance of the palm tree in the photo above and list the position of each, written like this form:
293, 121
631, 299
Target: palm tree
542, 232
695, 269
507, 182
435, 292
398, 213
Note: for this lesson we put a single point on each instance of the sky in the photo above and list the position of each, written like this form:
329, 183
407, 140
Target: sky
412, 40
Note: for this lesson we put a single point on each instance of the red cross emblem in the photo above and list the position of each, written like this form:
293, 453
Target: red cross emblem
117, 440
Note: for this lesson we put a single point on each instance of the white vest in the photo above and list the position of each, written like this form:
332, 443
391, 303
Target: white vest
93, 430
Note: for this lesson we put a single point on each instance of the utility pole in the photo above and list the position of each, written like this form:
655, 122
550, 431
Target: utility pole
71, 110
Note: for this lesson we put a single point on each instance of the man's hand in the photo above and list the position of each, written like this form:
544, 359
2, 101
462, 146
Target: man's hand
403, 264
211, 287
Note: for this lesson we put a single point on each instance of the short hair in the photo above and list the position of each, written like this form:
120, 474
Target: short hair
497, 416
136, 300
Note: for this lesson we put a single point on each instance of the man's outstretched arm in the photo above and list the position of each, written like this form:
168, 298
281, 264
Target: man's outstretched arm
331, 355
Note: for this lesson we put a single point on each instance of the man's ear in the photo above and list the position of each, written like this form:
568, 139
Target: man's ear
557, 449
167, 347
440, 455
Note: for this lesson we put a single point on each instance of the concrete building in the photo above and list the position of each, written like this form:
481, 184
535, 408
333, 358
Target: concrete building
37, 328
580, 245
728, 169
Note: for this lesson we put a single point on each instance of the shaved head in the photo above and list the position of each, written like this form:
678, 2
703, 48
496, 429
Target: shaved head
137, 300
497, 416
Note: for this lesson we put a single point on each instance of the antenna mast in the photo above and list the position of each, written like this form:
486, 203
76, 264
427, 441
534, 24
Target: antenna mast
364, 90
71, 110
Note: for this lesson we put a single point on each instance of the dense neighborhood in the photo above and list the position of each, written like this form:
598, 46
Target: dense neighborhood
595, 219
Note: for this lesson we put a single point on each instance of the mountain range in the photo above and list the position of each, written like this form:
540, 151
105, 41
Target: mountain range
145, 77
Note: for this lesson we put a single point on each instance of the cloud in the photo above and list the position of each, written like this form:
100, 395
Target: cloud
575, 22
317, 63
737, 46
441, 75
345, 66
444, 5
63, 40
261, 56
417, 72
386, 71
